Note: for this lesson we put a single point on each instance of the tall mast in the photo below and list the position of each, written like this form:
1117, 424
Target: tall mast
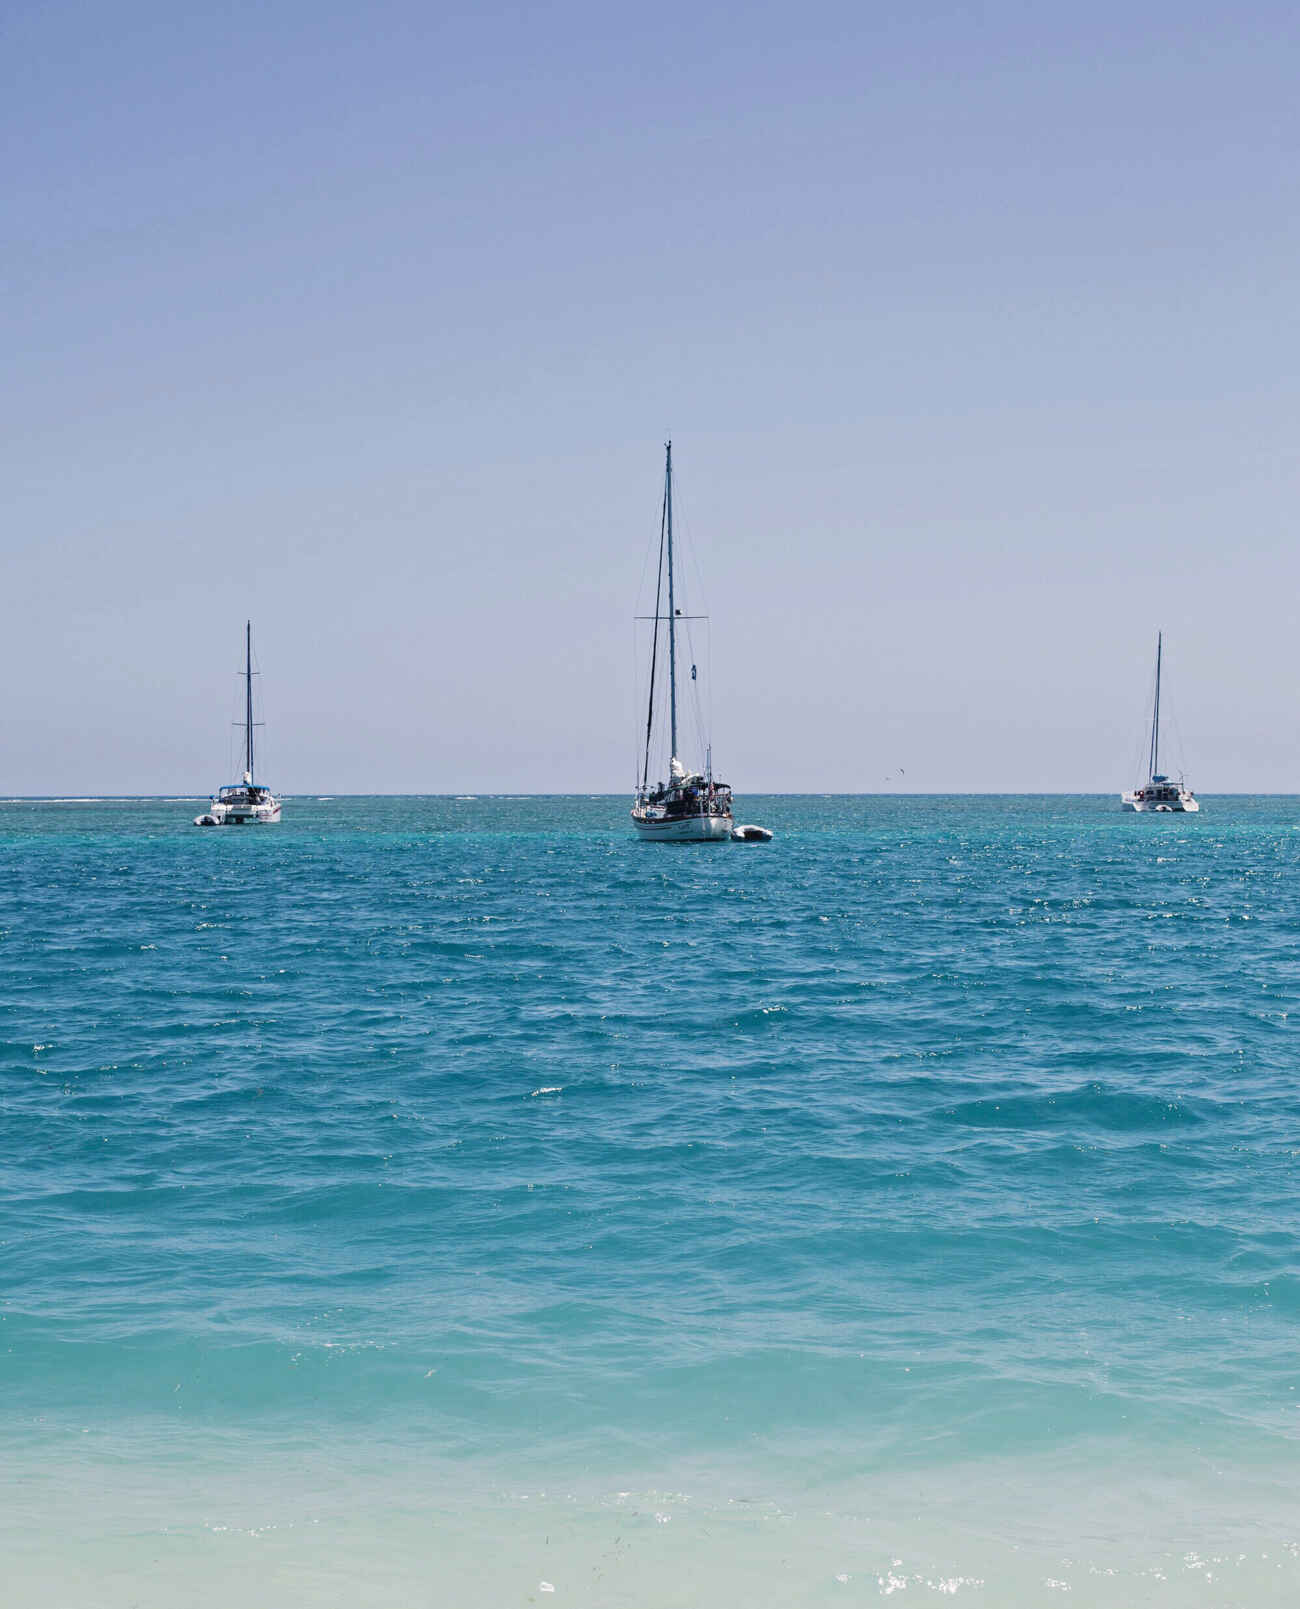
672, 612
654, 648
1155, 713
248, 707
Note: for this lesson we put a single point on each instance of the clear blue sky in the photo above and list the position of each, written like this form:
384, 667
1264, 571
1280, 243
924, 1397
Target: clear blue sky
974, 328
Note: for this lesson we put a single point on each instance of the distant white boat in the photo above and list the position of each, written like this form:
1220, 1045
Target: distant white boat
691, 807
1158, 794
246, 803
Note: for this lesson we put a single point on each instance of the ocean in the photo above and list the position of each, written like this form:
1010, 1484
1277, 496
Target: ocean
440, 1201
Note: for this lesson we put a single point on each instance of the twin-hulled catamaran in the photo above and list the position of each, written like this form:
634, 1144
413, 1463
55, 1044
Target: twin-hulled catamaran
691, 806
246, 803
1158, 793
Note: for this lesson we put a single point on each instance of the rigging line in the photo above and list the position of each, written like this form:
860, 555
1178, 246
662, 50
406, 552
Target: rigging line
1155, 716
684, 534
1179, 747
708, 690
640, 586
644, 691
688, 548
1141, 739
637, 684
1154, 719
1135, 757
672, 610
701, 731
1142, 754
636, 690
248, 709
654, 651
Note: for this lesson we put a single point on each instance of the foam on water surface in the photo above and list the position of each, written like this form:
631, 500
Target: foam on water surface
343, 1523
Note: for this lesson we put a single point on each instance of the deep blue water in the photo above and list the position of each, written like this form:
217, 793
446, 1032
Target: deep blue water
925, 1180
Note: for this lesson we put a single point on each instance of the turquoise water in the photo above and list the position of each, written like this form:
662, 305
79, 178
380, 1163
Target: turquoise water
456, 1201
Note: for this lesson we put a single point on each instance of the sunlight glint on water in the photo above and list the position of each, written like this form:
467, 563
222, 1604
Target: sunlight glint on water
431, 1199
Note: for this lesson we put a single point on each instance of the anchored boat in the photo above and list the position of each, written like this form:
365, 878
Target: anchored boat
246, 803
1158, 794
692, 806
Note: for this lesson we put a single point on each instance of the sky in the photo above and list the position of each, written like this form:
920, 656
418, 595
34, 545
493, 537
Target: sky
974, 330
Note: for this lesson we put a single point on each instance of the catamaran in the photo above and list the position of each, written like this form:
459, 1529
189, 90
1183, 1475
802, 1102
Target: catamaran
691, 806
1158, 793
246, 803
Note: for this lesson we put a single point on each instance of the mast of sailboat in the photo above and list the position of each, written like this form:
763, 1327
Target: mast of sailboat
248, 699
654, 648
1155, 711
672, 612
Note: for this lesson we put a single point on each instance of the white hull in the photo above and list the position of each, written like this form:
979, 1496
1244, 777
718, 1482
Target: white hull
222, 816
684, 830
1184, 804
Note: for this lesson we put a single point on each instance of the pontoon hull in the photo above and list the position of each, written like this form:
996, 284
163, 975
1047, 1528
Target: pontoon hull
1183, 805
221, 816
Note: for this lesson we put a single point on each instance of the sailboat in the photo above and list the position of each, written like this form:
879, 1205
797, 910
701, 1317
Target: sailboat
691, 807
1158, 793
245, 803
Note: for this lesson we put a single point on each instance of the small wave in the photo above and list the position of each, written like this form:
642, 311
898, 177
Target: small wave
1094, 1104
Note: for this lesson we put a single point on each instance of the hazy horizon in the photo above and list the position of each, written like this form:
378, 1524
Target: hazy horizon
311, 795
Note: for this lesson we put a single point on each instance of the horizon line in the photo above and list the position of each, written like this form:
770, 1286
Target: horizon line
467, 795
